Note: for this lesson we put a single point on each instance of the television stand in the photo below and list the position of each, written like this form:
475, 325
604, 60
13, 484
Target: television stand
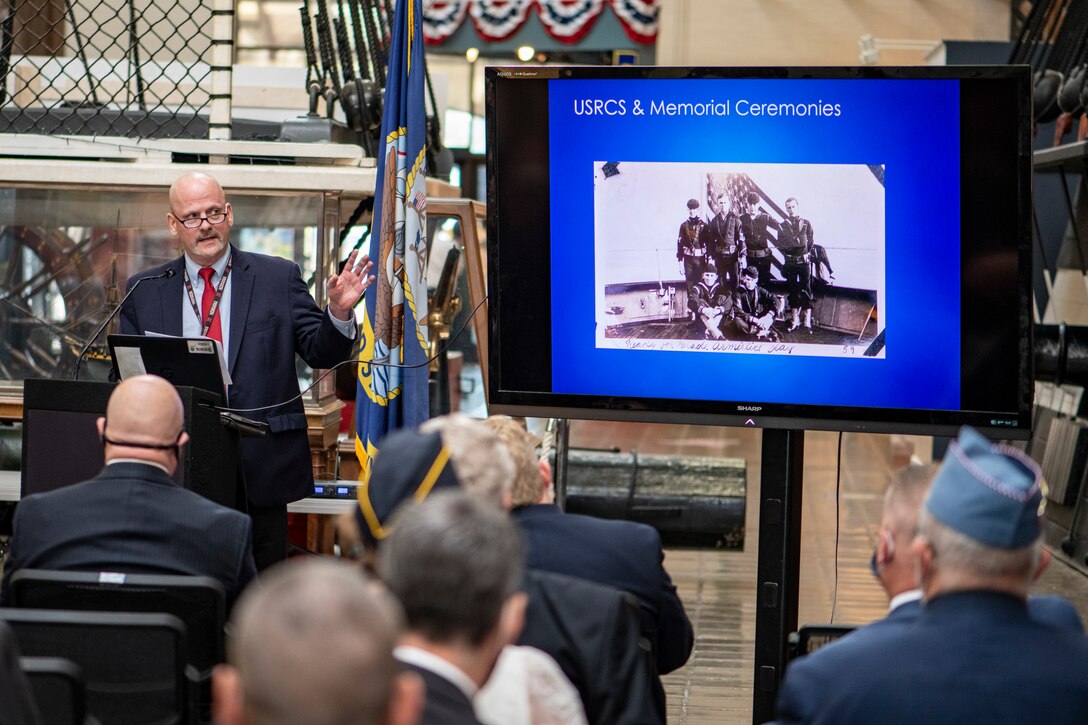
778, 564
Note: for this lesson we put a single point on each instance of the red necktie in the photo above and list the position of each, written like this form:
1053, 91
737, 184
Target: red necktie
216, 330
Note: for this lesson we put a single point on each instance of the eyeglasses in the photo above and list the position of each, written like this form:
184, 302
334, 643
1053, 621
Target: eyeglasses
194, 222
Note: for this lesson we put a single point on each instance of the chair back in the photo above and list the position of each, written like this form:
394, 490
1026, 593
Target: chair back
198, 601
59, 689
133, 664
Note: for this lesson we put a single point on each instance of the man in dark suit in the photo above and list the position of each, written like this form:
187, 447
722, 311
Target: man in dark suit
133, 517
259, 308
313, 643
621, 554
974, 654
454, 563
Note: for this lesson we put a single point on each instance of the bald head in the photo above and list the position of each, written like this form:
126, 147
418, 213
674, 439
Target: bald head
195, 182
144, 410
312, 642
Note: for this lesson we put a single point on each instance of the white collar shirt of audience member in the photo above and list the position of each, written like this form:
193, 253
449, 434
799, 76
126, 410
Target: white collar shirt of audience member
423, 659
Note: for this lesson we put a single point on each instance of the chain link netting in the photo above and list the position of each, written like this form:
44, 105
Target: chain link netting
135, 68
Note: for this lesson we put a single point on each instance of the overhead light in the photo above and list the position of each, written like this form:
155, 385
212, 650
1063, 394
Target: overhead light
526, 53
248, 10
472, 54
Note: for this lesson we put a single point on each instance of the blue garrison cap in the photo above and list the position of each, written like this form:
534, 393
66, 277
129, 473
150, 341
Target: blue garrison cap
990, 493
409, 465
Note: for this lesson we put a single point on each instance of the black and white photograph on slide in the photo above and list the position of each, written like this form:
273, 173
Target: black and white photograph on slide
744, 258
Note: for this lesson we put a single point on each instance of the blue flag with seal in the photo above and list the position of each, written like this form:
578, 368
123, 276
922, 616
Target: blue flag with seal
391, 393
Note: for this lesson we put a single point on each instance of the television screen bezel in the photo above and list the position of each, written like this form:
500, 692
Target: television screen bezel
537, 403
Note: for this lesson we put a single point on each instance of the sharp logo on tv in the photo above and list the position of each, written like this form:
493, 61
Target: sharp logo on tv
749, 408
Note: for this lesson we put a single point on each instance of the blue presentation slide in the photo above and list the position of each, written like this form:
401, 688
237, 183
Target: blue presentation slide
840, 197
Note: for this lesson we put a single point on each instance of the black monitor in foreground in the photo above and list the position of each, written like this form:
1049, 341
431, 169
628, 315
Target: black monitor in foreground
899, 304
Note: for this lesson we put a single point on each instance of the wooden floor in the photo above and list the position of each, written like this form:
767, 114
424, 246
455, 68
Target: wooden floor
718, 587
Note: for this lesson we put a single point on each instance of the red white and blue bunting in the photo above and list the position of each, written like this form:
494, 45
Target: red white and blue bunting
498, 19
441, 18
638, 18
567, 21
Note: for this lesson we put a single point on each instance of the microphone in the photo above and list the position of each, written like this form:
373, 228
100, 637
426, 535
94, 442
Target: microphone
83, 353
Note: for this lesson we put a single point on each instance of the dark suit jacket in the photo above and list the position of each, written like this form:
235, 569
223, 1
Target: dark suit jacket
17, 705
621, 554
971, 656
445, 704
131, 518
272, 316
1044, 609
591, 631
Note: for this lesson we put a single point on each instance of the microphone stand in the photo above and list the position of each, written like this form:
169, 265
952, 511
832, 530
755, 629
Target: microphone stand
83, 353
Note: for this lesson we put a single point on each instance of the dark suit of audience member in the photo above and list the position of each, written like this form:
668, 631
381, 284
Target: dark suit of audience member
1048, 610
974, 654
444, 703
621, 554
17, 706
973, 657
592, 632
132, 517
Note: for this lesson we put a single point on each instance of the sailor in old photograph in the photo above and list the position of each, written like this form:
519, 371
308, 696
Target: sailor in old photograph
755, 225
690, 247
712, 304
795, 239
754, 307
723, 241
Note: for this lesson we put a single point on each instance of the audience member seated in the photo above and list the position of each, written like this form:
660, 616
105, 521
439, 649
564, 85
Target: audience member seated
623, 554
896, 567
974, 654
312, 642
590, 630
133, 517
17, 706
454, 563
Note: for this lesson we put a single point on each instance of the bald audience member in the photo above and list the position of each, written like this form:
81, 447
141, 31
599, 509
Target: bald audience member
312, 643
454, 563
622, 554
974, 654
132, 517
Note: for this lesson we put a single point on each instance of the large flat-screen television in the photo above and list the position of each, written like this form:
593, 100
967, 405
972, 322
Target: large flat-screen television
867, 233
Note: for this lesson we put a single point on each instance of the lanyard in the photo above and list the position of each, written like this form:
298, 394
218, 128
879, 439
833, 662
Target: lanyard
215, 300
